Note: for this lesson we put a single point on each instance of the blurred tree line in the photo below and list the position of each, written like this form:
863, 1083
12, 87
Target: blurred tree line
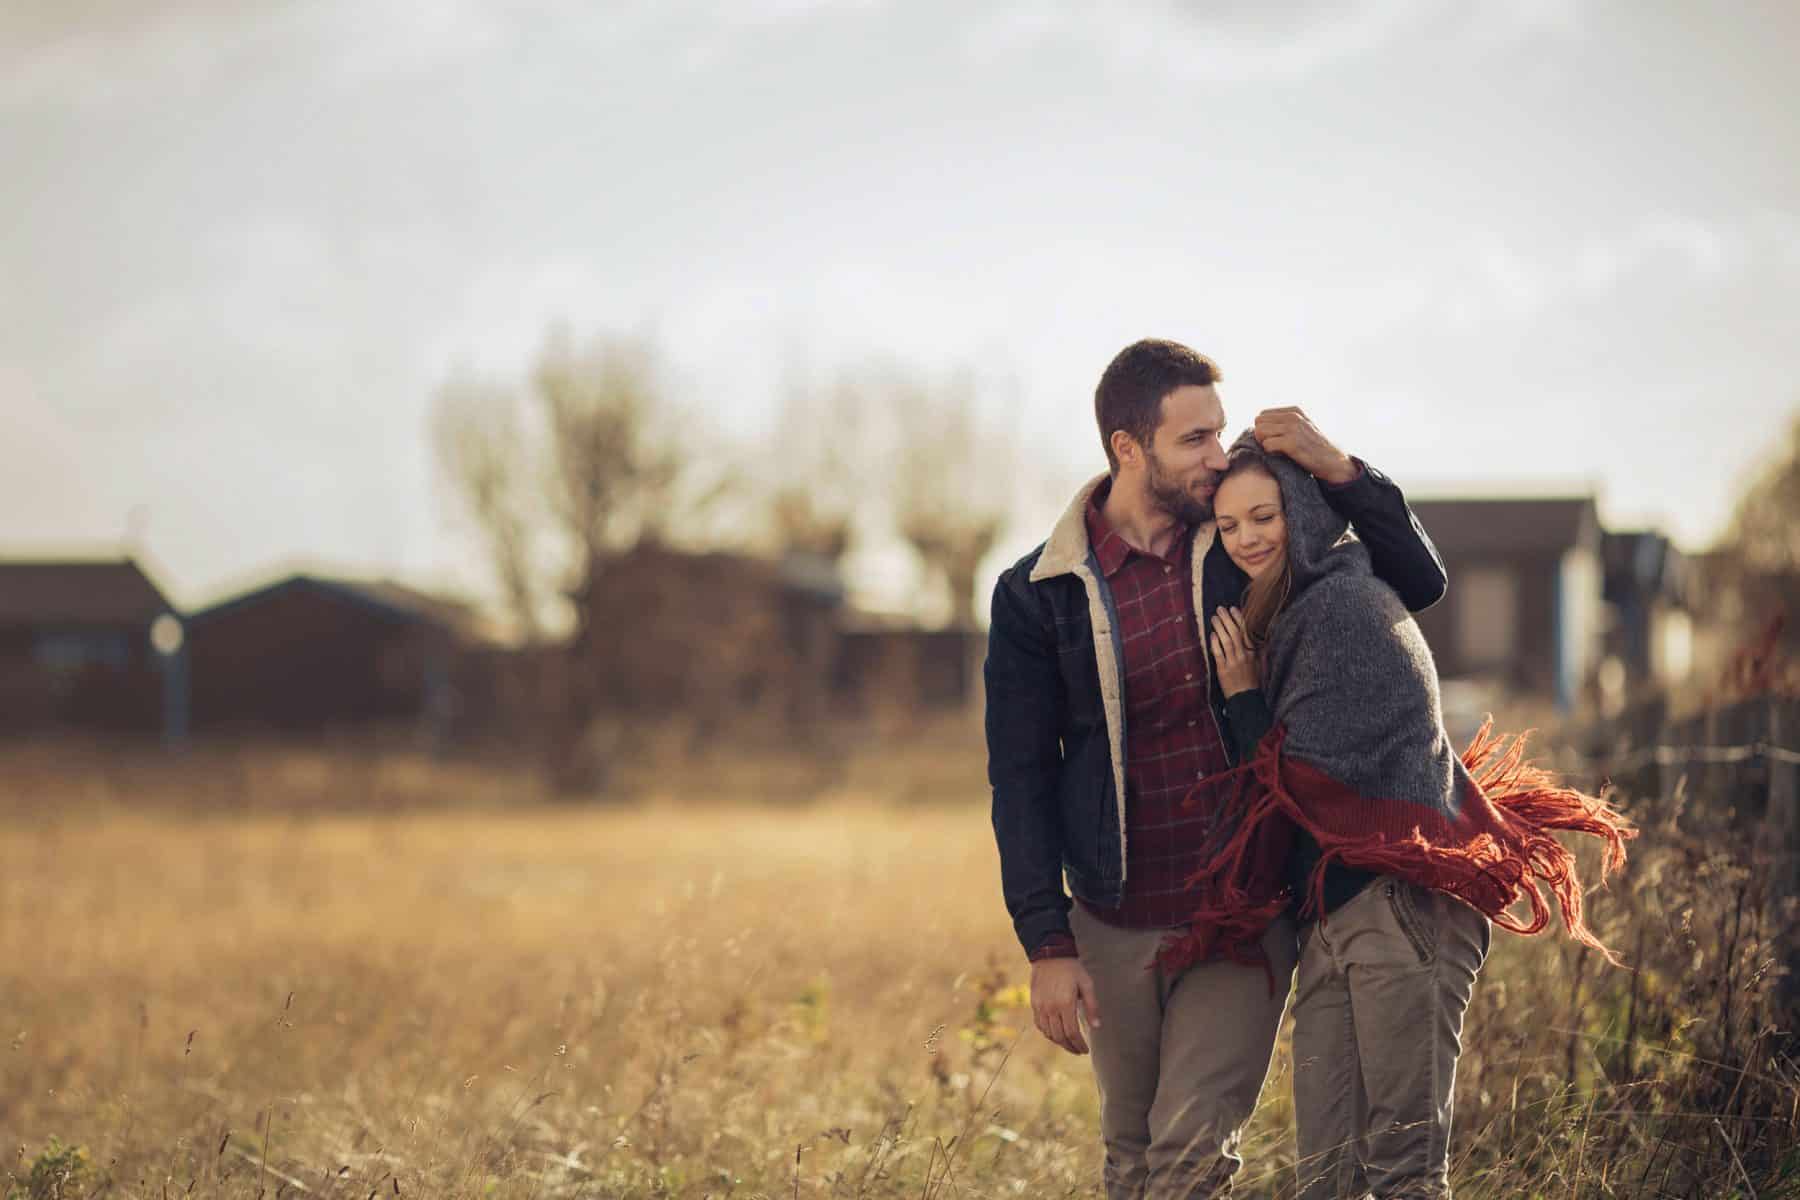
649, 570
1752, 584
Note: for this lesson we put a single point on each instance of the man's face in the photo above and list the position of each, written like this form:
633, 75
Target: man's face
1185, 456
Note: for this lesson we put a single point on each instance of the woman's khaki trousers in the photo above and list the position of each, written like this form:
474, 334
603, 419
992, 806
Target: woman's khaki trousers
1378, 1013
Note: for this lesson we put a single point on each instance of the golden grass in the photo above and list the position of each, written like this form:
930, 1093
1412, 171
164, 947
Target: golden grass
539, 1000
717, 1001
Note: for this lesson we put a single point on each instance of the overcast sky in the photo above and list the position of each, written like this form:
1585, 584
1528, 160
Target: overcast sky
1520, 243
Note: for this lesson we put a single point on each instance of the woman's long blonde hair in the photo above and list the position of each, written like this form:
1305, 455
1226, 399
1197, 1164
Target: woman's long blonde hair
1268, 593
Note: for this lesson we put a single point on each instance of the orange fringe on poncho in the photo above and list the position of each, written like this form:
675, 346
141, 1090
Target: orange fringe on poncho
1496, 851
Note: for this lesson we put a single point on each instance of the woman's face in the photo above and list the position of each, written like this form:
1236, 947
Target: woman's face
1248, 510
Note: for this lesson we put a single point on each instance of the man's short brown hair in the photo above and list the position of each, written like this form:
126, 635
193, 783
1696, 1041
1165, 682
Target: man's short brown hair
1131, 391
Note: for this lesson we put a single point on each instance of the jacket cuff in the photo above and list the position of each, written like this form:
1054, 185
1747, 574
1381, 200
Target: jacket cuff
1360, 496
1362, 473
1057, 945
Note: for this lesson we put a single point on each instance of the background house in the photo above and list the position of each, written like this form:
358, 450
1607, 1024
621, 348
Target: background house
1525, 606
712, 636
310, 654
891, 664
1649, 637
89, 645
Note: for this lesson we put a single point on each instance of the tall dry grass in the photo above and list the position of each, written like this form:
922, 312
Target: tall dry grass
700, 999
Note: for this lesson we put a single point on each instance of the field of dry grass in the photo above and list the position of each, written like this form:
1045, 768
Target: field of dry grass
699, 999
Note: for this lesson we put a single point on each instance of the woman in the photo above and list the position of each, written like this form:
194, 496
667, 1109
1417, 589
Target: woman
1402, 851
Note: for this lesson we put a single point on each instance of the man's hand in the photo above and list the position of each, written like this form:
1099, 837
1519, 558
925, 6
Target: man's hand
1232, 656
1291, 432
1058, 986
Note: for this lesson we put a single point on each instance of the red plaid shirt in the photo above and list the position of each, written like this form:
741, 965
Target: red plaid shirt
1171, 737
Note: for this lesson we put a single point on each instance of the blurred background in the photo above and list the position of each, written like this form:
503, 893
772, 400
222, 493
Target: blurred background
498, 503
548, 381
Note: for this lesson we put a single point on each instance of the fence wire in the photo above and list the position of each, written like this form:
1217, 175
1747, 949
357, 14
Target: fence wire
1676, 755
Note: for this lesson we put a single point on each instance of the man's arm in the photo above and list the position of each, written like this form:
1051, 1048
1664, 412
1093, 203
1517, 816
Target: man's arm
1024, 698
1399, 549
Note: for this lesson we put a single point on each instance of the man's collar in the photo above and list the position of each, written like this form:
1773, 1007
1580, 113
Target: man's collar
1067, 547
1110, 550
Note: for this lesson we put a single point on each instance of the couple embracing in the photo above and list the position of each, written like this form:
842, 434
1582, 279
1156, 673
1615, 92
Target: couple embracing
1209, 710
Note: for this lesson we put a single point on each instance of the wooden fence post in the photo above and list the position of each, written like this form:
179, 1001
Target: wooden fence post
1782, 826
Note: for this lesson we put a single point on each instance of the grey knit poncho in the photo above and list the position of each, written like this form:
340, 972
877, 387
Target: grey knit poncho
1360, 759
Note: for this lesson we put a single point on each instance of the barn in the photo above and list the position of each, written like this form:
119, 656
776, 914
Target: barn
311, 654
89, 645
1525, 605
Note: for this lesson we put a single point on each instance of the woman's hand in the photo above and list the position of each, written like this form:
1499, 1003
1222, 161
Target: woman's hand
1232, 656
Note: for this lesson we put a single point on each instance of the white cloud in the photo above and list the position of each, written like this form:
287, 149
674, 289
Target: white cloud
1495, 278
1228, 43
119, 50
116, 50
714, 31
122, 51
1650, 358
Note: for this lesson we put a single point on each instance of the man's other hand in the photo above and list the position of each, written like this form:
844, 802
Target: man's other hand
1291, 432
1058, 987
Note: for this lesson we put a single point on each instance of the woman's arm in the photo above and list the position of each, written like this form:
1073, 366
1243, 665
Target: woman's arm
1247, 712
1249, 718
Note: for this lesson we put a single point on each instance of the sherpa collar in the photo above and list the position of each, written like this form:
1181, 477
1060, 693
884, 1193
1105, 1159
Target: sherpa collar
1068, 544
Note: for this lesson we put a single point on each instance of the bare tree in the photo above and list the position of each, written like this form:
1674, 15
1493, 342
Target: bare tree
475, 432
608, 473
823, 461
617, 472
1764, 534
1753, 577
951, 483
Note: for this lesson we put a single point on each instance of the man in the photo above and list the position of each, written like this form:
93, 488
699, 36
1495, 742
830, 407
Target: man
1102, 714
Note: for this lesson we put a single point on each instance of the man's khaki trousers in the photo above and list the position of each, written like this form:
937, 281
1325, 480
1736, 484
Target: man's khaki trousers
1378, 1013
1180, 1059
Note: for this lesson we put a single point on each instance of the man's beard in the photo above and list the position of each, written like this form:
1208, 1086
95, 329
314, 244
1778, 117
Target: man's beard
1172, 498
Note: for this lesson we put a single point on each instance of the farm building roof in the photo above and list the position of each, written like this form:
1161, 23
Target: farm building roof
110, 592
1506, 526
394, 600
